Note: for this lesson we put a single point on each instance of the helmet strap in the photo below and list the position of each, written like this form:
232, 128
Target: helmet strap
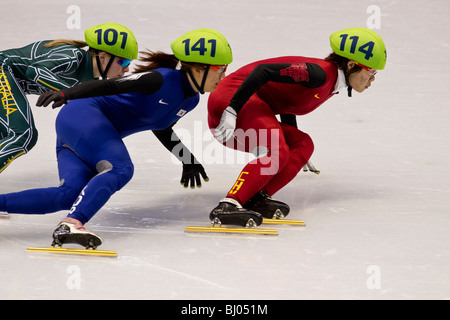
349, 91
347, 82
200, 88
104, 72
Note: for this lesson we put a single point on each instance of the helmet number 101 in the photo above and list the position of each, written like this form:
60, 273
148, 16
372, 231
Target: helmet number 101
200, 46
366, 48
115, 36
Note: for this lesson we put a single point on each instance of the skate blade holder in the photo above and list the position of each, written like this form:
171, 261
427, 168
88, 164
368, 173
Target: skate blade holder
278, 218
289, 222
216, 227
278, 214
91, 252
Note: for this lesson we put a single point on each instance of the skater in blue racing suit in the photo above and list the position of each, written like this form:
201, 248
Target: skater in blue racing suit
93, 161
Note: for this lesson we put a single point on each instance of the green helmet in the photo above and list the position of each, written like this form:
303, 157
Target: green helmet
205, 46
113, 38
361, 45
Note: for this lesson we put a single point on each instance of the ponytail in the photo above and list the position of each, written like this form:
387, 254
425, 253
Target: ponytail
153, 60
59, 42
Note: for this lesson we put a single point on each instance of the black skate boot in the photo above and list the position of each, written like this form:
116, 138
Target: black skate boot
271, 209
73, 232
229, 211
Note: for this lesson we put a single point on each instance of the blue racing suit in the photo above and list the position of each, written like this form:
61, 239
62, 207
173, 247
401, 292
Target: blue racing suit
93, 161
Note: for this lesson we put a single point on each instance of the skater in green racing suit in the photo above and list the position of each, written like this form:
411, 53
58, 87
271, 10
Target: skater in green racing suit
54, 65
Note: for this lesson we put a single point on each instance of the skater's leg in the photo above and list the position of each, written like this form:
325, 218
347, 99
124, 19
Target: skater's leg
108, 155
258, 129
74, 174
18, 133
84, 129
100, 188
301, 148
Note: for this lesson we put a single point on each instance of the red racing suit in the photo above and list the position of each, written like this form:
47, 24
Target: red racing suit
259, 91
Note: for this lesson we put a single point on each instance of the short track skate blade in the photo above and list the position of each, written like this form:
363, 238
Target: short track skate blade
91, 252
284, 221
212, 229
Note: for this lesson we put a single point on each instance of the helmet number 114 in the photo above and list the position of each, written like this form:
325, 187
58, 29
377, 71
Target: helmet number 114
366, 48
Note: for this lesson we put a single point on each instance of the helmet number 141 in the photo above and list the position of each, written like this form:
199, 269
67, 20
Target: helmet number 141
200, 46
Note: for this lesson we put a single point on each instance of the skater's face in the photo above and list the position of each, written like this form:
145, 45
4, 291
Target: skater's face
117, 68
360, 80
215, 76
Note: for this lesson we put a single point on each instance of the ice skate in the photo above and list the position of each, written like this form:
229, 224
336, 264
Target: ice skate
72, 231
230, 212
262, 203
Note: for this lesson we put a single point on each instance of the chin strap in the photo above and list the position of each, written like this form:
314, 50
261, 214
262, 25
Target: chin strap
200, 88
104, 72
349, 87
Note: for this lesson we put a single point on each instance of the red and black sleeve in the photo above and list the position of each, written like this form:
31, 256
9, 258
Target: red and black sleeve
309, 75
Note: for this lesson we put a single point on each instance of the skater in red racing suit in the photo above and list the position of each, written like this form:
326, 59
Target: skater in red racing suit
242, 115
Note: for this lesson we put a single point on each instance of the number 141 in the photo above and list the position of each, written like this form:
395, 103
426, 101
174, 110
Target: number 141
200, 46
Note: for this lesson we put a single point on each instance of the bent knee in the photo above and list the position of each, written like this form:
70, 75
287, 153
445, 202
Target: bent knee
33, 139
306, 145
299, 141
23, 140
125, 175
122, 174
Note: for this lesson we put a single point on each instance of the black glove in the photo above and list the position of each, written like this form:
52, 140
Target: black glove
57, 97
191, 173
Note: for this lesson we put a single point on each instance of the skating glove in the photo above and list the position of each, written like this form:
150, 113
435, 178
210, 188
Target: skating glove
191, 175
227, 125
57, 97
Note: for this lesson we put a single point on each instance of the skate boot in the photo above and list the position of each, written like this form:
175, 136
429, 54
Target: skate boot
229, 211
72, 231
271, 209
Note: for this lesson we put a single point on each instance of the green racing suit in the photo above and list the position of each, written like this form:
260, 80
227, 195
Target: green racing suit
33, 69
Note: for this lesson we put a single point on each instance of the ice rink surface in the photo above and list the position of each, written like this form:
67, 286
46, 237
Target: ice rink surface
377, 215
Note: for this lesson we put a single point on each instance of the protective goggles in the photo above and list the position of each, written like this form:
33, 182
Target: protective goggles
219, 68
124, 62
371, 71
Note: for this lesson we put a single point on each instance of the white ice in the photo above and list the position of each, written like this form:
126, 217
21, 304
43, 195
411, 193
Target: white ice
377, 215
